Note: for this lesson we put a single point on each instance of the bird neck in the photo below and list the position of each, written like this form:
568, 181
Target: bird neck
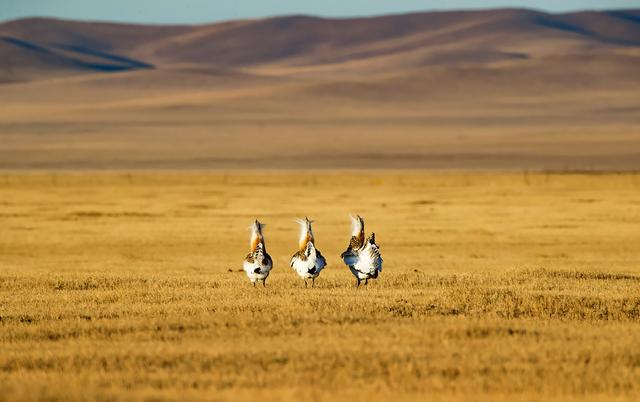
255, 240
304, 240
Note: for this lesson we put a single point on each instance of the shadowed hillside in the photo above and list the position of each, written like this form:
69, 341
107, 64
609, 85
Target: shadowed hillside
482, 89
409, 41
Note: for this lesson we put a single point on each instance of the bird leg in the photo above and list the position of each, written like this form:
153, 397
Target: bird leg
264, 283
366, 282
357, 283
313, 282
254, 284
305, 283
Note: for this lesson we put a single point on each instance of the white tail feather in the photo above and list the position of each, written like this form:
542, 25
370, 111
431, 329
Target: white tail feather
256, 233
305, 231
356, 225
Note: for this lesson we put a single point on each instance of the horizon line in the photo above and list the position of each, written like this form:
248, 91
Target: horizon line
319, 16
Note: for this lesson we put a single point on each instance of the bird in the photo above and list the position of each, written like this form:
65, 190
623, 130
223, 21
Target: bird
258, 263
362, 256
307, 261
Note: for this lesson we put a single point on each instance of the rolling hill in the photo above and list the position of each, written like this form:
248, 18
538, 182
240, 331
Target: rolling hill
506, 88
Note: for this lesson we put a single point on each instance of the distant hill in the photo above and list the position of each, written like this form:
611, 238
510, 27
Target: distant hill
496, 89
41, 47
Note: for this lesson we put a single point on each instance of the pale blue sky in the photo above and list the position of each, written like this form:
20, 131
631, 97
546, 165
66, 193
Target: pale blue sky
200, 11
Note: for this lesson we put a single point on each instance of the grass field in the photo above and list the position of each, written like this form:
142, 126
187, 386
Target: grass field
496, 286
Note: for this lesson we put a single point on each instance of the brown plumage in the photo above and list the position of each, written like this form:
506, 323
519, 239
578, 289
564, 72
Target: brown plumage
356, 242
299, 254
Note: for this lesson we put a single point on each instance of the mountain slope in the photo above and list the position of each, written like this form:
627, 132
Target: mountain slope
396, 41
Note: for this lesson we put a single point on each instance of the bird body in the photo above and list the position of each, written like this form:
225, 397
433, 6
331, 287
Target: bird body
307, 261
257, 264
362, 256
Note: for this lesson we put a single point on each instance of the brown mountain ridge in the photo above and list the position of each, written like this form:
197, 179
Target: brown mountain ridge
407, 41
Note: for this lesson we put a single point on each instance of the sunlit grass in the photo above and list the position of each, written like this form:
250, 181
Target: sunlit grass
495, 287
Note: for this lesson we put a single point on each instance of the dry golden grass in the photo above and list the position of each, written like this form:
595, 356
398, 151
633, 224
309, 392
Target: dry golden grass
495, 287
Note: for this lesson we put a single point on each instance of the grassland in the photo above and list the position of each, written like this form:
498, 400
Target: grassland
496, 286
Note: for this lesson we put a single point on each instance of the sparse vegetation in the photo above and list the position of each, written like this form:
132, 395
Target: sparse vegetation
496, 286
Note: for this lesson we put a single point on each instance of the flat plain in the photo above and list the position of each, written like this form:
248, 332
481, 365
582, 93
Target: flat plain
496, 286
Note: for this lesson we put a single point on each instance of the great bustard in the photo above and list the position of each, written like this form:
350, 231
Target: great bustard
307, 262
362, 255
258, 263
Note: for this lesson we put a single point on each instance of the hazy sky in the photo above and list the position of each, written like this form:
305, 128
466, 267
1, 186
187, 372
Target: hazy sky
198, 11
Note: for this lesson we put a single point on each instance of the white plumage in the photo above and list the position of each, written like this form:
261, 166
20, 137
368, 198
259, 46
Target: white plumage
362, 256
257, 264
308, 261
368, 261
